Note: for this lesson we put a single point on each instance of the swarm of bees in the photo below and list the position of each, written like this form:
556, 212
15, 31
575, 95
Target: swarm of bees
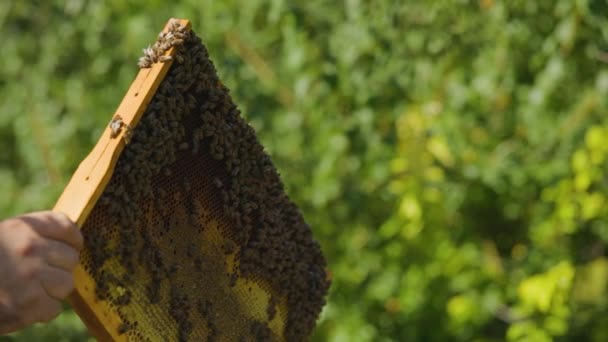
156, 53
195, 222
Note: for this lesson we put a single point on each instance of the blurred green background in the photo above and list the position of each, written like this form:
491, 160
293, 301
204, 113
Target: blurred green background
450, 155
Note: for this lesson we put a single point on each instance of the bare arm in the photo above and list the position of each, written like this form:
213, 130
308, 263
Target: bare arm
38, 252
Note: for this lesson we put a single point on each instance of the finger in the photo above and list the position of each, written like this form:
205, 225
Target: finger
37, 305
61, 255
56, 226
9, 320
10, 325
45, 310
58, 283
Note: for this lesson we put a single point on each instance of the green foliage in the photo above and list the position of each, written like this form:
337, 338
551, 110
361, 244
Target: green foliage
449, 155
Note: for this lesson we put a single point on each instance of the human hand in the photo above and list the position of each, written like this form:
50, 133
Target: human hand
38, 252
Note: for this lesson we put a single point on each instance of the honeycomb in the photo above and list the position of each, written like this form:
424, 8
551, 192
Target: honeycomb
194, 237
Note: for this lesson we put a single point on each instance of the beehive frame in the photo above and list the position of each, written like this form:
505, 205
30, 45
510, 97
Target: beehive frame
188, 231
90, 179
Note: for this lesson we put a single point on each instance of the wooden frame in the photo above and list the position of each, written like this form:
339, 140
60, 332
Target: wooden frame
89, 181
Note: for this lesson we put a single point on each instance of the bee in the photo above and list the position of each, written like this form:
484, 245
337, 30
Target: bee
195, 148
174, 25
102, 289
124, 299
148, 58
271, 310
153, 291
190, 250
145, 62
198, 264
123, 328
180, 34
115, 126
229, 247
173, 268
187, 186
232, 280
104, 201
177, 41
204, 307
